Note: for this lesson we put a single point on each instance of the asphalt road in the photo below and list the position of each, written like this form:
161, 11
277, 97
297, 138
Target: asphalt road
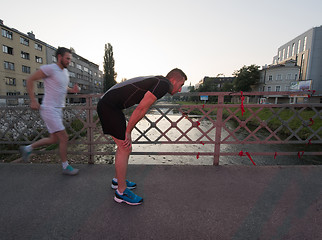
180, 202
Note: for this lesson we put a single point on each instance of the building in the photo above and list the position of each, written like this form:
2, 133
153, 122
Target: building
217, 83
279, 78
297, 63
20, 55
23, 54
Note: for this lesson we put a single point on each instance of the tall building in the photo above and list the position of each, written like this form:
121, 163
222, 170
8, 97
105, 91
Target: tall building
23, 54
297, 65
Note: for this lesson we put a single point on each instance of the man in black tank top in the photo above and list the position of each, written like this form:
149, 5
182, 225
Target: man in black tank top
143, 91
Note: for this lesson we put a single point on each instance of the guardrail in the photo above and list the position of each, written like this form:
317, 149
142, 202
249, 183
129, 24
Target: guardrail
186, 125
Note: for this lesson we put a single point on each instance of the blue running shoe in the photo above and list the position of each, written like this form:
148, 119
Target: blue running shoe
24, 153
128, 197
130, 185
70, 171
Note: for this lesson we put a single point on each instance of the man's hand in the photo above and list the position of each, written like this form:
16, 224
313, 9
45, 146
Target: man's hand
34, 105
128, 140
75, 89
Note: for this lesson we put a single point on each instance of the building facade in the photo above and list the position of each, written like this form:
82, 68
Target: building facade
298, 62
279, 78
22, 54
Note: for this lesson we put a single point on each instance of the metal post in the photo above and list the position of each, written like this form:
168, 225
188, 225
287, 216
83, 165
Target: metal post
218, 129
90, 130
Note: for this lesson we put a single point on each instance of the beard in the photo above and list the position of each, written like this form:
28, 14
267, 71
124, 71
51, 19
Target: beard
63, 64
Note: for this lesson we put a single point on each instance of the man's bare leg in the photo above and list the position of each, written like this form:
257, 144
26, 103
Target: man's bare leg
121, 162
45, 141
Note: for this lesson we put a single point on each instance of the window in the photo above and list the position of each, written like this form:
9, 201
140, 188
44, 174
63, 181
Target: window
295, 76
288, 52
8, 50
293, 49
25, 55
72, 74
13, 93
298, 46
283, 54
25, 69
10, 81
279, 55
40, 84
269, 89
24, 41
85, 69
38, 59
6, 33
278, 88
38, 47
72, 64
288, 76
304, 44
79, 66
9, 65
24, 82
279, 77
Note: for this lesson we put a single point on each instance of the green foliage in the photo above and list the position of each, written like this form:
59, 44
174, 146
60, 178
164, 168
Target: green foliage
109, 72
246, 77
77, 125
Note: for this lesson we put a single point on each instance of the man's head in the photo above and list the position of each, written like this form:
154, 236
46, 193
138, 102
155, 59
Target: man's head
63, 56
177, 78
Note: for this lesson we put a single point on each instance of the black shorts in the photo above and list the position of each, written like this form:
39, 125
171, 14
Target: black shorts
112, 120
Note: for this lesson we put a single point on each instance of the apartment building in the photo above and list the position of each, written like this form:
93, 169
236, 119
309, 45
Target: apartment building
22, 54
297, 63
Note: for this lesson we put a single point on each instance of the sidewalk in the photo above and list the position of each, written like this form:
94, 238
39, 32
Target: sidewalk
180, 202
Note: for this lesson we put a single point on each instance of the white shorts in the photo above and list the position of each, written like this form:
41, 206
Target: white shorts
53, 117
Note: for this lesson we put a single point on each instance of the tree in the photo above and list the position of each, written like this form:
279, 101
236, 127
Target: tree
246, 77
109, 72
227, 87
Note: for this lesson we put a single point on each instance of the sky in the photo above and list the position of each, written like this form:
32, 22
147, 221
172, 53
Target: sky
150, 37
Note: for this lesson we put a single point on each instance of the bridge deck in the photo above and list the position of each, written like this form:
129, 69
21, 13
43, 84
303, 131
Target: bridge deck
180, 202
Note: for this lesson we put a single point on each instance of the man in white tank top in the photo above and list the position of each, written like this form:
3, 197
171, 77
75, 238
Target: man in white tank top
56, 81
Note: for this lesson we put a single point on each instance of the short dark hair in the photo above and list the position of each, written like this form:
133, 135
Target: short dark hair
175, 73
61, 51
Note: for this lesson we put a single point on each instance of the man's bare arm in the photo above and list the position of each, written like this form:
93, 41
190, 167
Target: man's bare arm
137, 115
30, 87
141, 110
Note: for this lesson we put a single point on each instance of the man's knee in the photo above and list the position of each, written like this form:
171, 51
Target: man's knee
62, 136
123, 149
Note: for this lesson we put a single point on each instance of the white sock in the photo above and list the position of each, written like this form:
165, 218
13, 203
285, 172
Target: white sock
29, 148
115, 179
65, 164
119, 192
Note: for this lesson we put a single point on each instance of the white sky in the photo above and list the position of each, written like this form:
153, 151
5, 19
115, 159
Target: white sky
150, 37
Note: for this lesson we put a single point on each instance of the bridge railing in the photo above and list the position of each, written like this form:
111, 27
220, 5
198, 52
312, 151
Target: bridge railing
204, 124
